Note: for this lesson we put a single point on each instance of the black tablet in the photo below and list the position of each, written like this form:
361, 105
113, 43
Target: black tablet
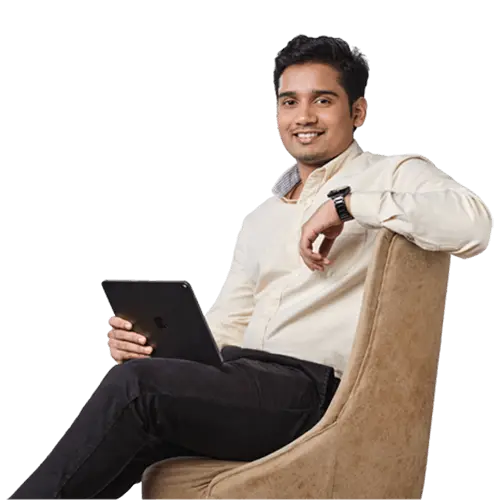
168, 314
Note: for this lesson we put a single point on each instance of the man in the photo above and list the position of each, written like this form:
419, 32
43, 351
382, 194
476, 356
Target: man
287, 313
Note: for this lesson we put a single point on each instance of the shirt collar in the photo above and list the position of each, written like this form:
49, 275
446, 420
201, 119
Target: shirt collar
291, 176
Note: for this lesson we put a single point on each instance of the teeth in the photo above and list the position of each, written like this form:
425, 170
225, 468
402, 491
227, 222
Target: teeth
310, 134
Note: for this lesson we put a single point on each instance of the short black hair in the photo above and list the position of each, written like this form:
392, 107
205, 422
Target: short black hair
351, 64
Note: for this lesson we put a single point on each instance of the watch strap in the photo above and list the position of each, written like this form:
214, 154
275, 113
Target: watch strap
338, 198
341, 207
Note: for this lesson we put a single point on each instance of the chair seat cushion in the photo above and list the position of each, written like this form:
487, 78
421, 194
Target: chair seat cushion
186, 477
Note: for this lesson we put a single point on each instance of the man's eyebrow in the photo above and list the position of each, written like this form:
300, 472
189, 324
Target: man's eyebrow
315, 92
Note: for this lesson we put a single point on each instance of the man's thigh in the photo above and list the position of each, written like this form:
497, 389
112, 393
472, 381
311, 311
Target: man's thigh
242, 411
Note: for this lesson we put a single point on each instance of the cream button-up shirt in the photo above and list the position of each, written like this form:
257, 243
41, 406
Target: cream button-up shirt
272, 301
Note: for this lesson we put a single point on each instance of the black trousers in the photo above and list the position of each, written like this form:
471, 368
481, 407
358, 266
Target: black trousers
147, 410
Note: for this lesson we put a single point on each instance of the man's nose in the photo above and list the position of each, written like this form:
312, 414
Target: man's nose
305, 116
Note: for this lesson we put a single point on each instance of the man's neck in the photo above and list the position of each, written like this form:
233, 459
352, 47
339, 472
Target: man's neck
306, 169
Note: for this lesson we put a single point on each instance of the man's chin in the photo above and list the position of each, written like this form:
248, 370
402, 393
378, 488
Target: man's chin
311, 159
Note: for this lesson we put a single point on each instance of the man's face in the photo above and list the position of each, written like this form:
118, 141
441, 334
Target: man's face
310, 100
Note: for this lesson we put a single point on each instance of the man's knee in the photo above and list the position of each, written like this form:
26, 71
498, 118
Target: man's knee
129, 376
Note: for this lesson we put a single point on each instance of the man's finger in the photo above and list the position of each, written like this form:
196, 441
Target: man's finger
133, 337
311, 255
122, 345
119, 323
310, 263
326, 246
121, 356
306, 247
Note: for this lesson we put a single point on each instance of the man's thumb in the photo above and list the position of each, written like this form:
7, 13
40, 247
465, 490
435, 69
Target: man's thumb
325, 246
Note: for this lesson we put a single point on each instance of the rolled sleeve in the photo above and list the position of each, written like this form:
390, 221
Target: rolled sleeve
428, 207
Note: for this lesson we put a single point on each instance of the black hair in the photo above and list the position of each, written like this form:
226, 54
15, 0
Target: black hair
352, 65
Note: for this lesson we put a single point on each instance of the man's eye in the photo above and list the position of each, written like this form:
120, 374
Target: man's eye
324, 101
287, 102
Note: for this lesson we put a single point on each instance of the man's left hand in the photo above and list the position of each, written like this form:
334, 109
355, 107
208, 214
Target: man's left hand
324, 221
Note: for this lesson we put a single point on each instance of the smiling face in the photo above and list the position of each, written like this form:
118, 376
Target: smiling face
314, 120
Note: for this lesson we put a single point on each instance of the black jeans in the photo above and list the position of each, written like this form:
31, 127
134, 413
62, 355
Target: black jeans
147, 410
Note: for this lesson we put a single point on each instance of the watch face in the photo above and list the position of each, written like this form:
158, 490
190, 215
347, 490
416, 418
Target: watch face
341, 191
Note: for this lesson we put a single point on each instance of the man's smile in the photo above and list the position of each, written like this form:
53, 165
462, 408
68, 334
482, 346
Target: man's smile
307, 137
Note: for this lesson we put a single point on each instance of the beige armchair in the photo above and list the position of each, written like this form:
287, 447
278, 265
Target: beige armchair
373, 440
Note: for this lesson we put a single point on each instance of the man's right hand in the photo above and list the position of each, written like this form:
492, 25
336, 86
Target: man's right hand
125, 344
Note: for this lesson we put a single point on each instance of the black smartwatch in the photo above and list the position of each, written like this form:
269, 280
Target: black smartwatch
338, 197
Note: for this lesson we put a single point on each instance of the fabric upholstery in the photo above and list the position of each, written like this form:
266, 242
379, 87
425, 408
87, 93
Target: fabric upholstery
373, 440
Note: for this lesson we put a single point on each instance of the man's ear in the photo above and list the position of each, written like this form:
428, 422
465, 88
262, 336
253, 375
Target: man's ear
359, 111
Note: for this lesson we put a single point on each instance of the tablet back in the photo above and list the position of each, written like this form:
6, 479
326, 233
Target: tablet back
168, 314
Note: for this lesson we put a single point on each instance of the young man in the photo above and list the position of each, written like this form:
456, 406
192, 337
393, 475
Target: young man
287, 313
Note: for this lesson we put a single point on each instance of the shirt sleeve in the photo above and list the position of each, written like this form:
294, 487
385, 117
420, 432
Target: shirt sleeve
428, 207
230, 314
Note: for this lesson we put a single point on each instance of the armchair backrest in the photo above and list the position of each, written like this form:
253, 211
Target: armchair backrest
382, 410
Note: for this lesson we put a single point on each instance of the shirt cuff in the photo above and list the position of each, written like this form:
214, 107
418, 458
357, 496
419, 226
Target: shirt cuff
372, 208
